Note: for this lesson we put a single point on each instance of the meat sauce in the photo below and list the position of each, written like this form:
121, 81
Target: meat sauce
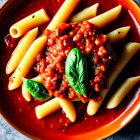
22, 113
95, 46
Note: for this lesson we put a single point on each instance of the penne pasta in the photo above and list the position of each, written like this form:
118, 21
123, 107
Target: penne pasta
68, 108
77, 99
66, 9
21, 49
118, 34
85, 14
56, 104
129, 51
47, 108
107, 17
27, 62
121, 93
25, 93
28, 23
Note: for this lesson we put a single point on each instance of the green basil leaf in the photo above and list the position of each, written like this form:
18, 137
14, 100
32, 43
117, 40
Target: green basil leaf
76, 71
37, 89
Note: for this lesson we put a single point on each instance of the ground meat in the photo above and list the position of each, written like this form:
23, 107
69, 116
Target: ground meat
51, 63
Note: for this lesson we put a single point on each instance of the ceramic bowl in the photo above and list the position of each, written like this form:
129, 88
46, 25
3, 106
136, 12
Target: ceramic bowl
6, 11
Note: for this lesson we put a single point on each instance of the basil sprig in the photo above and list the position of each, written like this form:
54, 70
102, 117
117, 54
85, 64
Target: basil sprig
76, 71
36, 89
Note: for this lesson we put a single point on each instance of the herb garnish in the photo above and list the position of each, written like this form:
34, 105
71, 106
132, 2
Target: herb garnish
37, 89
76, 71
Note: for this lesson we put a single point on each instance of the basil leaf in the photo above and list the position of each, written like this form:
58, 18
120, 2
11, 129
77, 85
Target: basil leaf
37, 89
76, 71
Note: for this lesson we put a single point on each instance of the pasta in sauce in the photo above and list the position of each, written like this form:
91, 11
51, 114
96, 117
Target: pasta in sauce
74, 111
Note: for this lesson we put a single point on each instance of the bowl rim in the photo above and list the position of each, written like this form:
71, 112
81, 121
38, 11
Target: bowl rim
110, 128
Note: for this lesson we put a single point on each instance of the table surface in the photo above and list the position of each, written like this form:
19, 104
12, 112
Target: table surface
130, 132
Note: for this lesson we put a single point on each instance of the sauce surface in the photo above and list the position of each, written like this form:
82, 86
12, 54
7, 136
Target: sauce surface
51, 63
22, 113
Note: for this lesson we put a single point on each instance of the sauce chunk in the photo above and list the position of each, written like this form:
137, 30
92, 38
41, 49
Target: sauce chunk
51, 64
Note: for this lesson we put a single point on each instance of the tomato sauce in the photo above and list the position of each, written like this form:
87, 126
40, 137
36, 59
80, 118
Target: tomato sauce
22, 113
51, 65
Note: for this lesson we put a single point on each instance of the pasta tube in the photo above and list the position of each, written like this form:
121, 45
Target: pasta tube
63, 14
85, 14
129, 51
44, 110
47, 108
28, 23
27, 62
107, 17
68, 108
21, 49
118, 34
25, 93
122, 92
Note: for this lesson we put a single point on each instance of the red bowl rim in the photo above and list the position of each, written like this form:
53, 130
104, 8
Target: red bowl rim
106, 130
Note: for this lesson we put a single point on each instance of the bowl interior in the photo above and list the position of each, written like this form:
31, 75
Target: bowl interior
6, 13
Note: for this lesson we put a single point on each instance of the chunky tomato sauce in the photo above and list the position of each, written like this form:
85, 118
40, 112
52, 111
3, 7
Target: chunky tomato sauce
95, 46
22, 113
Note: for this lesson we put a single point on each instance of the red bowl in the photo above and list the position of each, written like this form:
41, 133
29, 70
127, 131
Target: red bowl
102, 132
